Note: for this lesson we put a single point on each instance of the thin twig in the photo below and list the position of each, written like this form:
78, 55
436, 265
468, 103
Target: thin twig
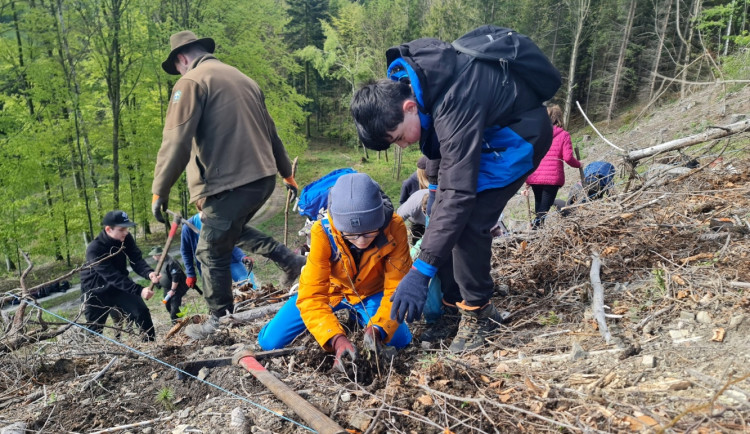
133, 425
99, 374
500, 405
597, 131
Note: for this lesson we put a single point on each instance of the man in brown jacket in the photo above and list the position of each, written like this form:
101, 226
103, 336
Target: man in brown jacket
217, 126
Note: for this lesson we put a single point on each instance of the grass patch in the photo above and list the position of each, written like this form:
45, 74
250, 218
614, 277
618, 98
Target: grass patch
319, 159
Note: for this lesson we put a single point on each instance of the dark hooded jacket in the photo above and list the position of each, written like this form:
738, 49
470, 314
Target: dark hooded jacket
112, 273
465, 97
172, 272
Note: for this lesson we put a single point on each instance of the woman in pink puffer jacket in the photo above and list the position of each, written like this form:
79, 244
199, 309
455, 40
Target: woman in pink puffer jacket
550, 175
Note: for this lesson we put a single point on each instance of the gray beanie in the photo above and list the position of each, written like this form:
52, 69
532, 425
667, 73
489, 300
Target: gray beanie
355, 204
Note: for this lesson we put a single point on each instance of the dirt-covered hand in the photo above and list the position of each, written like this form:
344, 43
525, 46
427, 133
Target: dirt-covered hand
410, 296
373, 338
159, 206
342, 347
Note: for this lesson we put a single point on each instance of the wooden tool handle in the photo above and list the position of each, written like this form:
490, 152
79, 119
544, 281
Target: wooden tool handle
580, 169
314, 417
172, 231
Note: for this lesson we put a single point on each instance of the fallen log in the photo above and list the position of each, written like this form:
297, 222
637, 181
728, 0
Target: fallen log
252, 314
715, 132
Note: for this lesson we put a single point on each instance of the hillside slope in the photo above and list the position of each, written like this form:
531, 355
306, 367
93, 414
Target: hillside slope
675, 271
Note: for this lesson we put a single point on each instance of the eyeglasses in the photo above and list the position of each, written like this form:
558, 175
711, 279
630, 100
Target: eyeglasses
355, 237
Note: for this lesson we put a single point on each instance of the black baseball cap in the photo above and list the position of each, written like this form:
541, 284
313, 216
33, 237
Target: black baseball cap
117, 218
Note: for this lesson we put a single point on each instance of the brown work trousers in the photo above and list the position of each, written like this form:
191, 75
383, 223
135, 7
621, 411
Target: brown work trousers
226, 224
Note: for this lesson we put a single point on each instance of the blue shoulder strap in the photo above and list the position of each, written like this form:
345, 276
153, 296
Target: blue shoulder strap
335, 255
400, 70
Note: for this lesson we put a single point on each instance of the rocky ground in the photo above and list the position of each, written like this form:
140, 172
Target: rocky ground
670, 355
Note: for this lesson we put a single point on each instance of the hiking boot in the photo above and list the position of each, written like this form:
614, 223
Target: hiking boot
203, 330
290, 263
444, 327
476, 324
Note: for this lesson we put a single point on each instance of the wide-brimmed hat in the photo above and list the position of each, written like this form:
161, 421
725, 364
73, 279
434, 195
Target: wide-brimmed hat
156, 251
180, 40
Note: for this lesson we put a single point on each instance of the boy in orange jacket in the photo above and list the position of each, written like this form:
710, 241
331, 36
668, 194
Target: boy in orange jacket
358, 254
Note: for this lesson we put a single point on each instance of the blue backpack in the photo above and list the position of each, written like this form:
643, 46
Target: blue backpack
314, 196
599, 178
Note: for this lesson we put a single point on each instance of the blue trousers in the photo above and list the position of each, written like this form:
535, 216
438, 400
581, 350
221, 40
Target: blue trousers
288, 324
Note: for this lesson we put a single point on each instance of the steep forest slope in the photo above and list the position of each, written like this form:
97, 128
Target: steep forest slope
673, 260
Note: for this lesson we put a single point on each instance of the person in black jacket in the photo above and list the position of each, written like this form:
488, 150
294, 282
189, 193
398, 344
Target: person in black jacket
490, 131
172, 281
106, 285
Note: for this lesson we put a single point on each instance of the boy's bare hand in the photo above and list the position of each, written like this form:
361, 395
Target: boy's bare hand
146, 293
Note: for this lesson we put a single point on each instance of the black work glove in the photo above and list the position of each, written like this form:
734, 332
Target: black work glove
410, 296
291, 185
159, 206
248, 263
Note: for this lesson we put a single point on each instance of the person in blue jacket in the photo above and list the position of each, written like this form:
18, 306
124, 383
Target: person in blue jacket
241, 266
490, 130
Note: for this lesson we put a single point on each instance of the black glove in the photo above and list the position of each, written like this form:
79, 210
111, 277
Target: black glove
410, 296
291, 185
248, 263
159, 206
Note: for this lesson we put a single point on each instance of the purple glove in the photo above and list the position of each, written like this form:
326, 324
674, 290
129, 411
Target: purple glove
410, 296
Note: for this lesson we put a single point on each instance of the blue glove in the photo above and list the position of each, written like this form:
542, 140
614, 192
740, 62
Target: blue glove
410, 296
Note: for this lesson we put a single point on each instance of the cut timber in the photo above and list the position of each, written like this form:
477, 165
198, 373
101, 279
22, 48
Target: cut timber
713, 133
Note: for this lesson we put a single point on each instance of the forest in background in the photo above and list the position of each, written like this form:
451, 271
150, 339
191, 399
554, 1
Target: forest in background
83, 95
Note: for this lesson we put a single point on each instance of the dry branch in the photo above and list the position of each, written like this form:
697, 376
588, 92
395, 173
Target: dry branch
718, 132
597, 302
500, 405
133, 425
100, 373
252, 314
24, 339
597, 131
699, 83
